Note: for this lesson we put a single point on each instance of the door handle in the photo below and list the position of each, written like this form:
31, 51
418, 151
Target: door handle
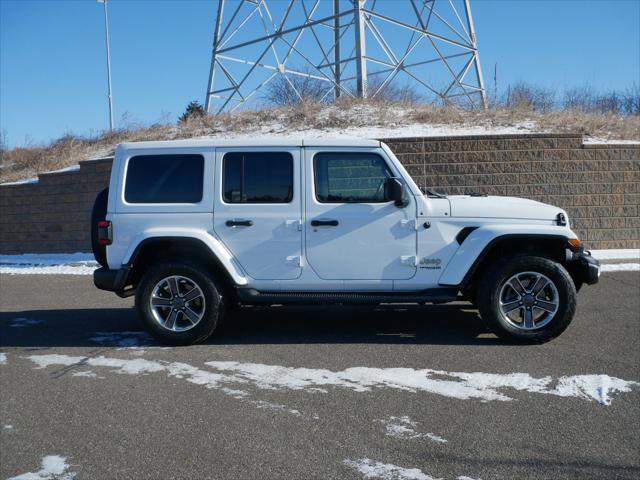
239, 223
324, 223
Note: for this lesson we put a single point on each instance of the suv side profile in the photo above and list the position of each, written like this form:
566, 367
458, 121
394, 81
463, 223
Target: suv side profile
195, 227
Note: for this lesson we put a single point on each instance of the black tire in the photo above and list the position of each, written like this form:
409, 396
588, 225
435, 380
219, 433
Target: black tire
213, 310
99, 213
490, 288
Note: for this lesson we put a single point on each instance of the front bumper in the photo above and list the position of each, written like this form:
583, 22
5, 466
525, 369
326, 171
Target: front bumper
112, 280
584, 266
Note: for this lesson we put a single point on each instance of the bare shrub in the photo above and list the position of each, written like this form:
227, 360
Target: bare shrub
579, 98
291, 89
529, 97
442, 115
3, 146
631, 100
392, 91
586, 99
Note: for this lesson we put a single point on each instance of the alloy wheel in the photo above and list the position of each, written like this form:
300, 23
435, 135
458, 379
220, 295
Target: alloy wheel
177, 303
529, 300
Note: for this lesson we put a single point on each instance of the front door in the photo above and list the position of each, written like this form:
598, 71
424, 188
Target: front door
258, 210
352, 231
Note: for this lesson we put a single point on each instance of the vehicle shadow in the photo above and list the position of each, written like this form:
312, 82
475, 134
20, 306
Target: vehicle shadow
116, 327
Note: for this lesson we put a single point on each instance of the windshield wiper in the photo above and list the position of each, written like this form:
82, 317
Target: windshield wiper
431, 193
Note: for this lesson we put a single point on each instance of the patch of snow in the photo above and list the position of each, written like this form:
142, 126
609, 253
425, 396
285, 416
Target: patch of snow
48, 264
24, 181
620, 267
276, 407
54, 467
404, 428
459, 385
609, 141
85, 373
57, 270
401, 129
617, 254
72, 168
23, 322
237, 394
591, 387
102, 154
370, 469
44, 259
172, 369
31, 180
3, 358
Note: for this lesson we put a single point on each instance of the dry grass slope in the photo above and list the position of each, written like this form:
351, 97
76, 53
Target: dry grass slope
24, 162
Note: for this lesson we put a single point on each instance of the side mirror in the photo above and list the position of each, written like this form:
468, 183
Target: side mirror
394, 191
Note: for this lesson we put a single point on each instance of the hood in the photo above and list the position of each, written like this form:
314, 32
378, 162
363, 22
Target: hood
502, 207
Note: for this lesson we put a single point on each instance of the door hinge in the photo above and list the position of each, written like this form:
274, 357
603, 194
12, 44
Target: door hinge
412, 224
295, 260
294, 223
410, 260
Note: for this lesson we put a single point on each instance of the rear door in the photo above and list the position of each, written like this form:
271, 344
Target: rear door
352, 232
258, 210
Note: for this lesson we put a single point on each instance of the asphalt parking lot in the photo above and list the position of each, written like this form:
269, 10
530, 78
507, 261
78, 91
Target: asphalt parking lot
351, 392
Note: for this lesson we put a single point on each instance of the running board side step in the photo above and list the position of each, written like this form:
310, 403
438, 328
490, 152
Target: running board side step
251, 296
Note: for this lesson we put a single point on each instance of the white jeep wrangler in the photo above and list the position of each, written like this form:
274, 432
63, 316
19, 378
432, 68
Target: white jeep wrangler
194, 227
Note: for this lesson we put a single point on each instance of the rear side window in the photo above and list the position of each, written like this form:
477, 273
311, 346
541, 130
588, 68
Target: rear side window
350, 177
164, 179
257, 177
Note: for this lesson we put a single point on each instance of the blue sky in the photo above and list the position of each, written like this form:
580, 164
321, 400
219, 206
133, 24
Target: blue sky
52, 58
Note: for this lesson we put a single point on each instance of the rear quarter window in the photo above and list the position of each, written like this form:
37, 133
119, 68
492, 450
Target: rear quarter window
174, 178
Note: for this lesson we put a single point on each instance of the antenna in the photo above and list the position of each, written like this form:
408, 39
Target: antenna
354, 48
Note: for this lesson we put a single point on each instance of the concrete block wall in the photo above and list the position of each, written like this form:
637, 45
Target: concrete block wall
54, 214
597, 185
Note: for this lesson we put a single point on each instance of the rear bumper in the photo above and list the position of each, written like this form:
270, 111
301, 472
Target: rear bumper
585, 267
111, 280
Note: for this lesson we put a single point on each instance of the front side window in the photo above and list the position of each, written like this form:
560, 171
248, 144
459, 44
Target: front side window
350, 177
164, 179
257, 177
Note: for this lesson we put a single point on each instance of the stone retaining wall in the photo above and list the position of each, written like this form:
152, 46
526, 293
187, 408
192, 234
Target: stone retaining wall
597, 185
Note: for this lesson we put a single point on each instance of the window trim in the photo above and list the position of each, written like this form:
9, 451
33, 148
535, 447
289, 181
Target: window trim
243, 152
315, 177
125, 178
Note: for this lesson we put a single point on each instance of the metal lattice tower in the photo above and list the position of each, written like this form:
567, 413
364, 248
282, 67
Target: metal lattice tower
354, 47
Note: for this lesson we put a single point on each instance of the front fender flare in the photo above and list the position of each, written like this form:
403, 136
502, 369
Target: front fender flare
479, 242
213, 244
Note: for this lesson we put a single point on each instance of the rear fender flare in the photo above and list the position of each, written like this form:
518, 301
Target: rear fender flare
213, 245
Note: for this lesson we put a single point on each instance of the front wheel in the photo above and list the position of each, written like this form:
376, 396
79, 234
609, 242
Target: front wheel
527, 299
179, 303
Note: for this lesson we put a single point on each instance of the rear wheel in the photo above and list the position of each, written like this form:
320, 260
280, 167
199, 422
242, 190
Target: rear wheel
179, 303
527, 299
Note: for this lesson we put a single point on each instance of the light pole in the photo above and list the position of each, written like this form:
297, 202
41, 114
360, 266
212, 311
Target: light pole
106, 28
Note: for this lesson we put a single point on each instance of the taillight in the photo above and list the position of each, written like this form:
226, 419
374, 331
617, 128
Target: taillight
105, 232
